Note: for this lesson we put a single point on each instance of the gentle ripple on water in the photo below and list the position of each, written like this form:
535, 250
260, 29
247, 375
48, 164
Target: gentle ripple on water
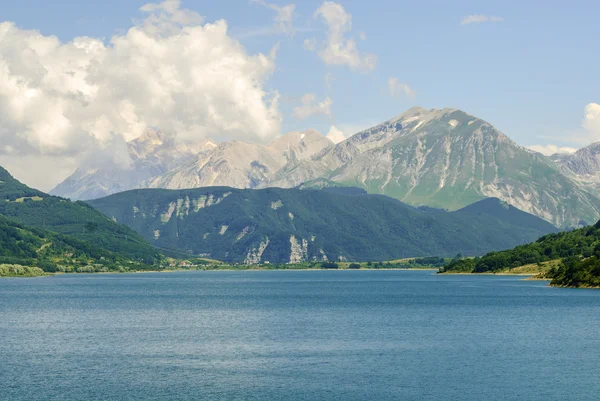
297, 335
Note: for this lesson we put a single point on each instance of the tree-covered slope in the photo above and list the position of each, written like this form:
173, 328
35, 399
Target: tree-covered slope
292, 225
577, 253
22, 248
36, 209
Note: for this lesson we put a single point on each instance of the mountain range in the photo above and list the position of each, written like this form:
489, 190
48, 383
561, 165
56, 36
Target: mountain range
148, 156
438, 158
296, 225
318, 221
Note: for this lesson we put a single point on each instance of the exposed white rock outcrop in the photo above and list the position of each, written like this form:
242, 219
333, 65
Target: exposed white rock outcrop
243, 233
254, 255
165, 217
298, 250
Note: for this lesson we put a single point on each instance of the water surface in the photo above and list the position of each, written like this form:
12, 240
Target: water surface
297, 335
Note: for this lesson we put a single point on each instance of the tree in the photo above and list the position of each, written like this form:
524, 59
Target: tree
329, 265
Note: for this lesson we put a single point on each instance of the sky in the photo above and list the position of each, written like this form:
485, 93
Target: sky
82, 78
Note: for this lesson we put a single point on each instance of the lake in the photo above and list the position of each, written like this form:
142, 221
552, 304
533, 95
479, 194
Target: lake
297, 335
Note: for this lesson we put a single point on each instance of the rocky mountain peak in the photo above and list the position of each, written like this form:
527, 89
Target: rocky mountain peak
442, 158
585, 163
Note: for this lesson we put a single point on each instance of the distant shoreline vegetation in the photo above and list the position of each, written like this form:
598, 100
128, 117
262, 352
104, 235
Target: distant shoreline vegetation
567, 259
207, 264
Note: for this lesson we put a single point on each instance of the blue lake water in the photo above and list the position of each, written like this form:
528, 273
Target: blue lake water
297, 335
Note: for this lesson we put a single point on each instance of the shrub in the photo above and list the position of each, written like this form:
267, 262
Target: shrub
329, 265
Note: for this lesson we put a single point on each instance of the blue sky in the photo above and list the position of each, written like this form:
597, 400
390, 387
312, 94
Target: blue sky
530, 70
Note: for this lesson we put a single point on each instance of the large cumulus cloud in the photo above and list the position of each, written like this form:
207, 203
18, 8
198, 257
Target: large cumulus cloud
169, 71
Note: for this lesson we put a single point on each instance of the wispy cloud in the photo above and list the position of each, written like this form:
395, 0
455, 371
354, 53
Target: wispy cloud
310, 106
480, 18
284, 16
588, 133
339, 49
397, 88
551, 149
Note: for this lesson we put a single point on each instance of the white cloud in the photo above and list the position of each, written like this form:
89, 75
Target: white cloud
335, 135
310, 44
284, 18
309, 107
339, 49
550, 149
479, 18
591, 120
169, 71
589, 133
396, 88
338, 133
590, 124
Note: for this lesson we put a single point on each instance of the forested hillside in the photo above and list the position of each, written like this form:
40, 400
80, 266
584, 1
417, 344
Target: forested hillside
34, 208
294, 225
23, 248
576, 252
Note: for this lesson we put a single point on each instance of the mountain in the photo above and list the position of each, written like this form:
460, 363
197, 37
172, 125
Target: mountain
437, 158
157, 160
293, 225
448, 159
152, 154
583, 164
36, 209
242, 165
570, 258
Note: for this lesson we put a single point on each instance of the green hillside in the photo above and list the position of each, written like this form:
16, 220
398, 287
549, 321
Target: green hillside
34, 208
574, 257
26, 251
293, 225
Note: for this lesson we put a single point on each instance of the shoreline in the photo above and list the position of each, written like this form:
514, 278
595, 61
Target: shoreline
214, 270
491, 274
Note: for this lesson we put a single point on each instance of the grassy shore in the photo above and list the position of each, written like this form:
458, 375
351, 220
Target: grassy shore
534, 269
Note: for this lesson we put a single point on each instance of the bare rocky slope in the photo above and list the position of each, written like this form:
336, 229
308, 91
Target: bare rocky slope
242, 165
449, 159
